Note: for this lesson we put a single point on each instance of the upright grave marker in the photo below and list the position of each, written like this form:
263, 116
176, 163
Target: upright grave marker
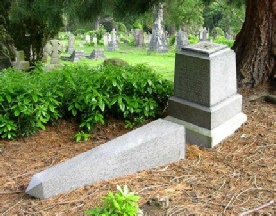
95, 40
71, 43
158, 41
205, 97
53, 49
203, 34
19, 62
138, 37
113, 43
87, 39
106, 39
181, 39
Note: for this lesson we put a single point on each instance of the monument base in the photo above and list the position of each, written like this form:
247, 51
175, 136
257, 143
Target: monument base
209, 138
204, 116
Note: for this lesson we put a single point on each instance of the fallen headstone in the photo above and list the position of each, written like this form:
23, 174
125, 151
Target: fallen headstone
75, 56
97, 54
157, 143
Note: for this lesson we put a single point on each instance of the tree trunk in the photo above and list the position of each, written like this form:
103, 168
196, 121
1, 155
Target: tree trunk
255, 45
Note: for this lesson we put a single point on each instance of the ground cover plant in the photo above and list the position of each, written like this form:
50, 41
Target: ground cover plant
29, 101
122, 203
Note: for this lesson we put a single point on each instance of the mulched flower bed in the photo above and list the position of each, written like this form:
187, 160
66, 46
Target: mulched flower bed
237, 176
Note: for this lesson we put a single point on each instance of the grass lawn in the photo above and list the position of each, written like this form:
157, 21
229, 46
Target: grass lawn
162, 63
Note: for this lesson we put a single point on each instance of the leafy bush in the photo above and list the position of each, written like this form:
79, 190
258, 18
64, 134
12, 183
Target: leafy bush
218, 31
138, 24
116, 62
28, 101
193, 39
133, 93
172, 40
121, 27
79, 31
123, 203
99, 33
223, 40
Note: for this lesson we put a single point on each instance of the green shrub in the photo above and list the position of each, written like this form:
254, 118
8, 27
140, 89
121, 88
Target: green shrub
99, 33
138, 24
218, 31
115, 62
123, 203
121, 27
193, 39
172, 40
79, 31
29, 101
223, 40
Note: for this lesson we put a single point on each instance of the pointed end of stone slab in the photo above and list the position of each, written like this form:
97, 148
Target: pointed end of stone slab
35, 188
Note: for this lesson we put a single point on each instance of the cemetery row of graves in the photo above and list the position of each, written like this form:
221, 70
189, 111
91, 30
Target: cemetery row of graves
68, 91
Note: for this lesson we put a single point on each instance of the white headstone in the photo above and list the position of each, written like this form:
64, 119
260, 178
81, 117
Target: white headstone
113, 43
87, 38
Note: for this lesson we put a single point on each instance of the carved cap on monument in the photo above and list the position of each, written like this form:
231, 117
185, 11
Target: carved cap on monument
205, 48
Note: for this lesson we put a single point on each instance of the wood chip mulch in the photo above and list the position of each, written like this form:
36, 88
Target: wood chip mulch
237, 177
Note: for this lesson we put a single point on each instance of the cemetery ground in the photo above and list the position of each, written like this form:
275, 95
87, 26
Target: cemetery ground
234, 177
162, 63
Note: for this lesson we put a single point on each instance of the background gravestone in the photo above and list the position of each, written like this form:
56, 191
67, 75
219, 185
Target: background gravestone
105, 39
113, 43
95, 40
53, 49
203, 34
71, 43
138, 37
158, 41
19, 62
87, 39
97, 54
205, 97
181, 39
75, 56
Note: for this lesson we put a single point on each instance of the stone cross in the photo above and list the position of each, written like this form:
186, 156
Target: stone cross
55, 48
19, 62
113, 44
